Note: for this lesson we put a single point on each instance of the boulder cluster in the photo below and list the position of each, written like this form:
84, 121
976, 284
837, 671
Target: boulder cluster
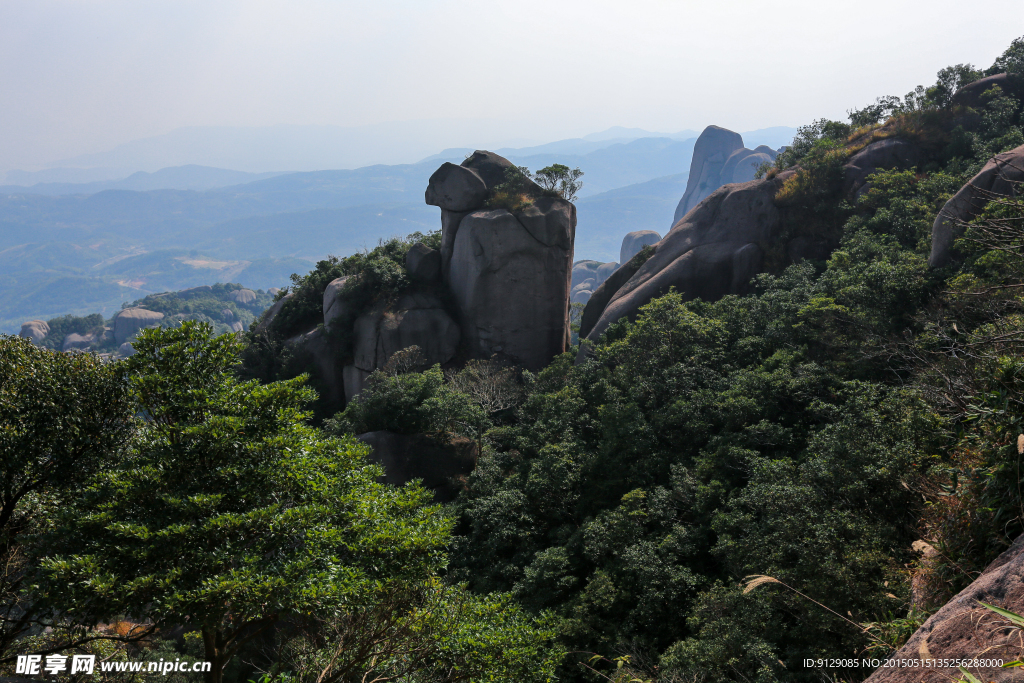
498, 286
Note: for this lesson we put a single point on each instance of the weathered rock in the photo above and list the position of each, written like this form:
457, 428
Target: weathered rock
881, 154
334, 305
714, 250
999, 177
423, 263
605, 270
268, 317
971, 94
511, 282
227, 314
963, 629
131, 320
237, 326
455, 188
416, 319
491, 168
589, 283
354, 380
274, 290
243, 296
450, 221
711, 151
440, 466
634, 241
580, 296
583, 271
78, 342
36, 330
321, 353
125, 350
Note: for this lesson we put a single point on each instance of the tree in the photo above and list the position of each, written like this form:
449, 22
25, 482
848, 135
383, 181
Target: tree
230, 513
559, 178
63, 418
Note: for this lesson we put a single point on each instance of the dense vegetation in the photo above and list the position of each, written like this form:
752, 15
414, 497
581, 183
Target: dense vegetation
621, 507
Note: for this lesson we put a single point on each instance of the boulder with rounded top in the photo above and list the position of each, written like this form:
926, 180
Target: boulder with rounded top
334, 305
36, 330
268, 317
634, 241
131, 320
1001, 176
244, 297
710, 153
455, 188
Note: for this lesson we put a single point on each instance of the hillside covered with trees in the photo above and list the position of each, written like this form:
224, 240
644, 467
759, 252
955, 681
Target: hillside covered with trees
716, 490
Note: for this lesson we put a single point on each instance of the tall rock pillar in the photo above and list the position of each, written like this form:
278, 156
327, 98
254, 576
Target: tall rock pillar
509, 272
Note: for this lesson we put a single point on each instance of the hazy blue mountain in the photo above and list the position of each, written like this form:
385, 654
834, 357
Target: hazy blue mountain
190, 177
619, 133
604, 219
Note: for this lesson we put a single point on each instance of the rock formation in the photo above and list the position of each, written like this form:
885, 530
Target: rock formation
243, 296
714, 250
633, 242
970, 94
408, 457
964, 629
131, 320
719, 158
416, 319
509, 272
78, 342
888, 153
36, 330
1001, 176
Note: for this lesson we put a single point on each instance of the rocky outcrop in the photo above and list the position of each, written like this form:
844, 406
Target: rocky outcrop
712, 149
510, 276
714, 250
439, 466
964, 629
1000, 177
335, 306
719, 158
971, 94
417, 319
36, 330
244, 297
423, 263
881, 154
125, 350
321, 353
508, 273
131, 320
634, 241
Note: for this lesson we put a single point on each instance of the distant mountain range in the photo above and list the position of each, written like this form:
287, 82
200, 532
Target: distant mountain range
86, 247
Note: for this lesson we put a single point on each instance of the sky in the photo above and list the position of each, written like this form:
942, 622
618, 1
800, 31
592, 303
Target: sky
83, 76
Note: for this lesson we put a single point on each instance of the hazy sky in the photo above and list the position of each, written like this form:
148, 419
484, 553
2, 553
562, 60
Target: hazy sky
80, 76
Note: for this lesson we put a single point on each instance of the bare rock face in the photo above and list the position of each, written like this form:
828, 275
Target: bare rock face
713, 251
510, 276
423, 263
634, 241
712, 149
417, 319
970, 94
125, 350
334, 305
408, 457
131, 320
963, 629
36, 330
999, 177
881, 154
243, 296
455, 188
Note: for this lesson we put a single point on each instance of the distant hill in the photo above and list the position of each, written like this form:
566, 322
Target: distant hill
190, 177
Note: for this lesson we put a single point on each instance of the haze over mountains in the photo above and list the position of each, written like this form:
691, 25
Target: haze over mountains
86, 247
